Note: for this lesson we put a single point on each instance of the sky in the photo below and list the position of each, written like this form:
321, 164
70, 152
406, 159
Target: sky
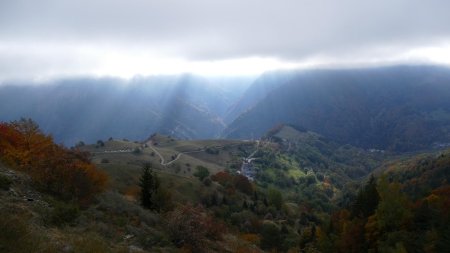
60, 38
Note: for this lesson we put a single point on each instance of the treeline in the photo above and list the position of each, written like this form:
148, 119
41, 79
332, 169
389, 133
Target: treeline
65, 173
405, 211
385, 219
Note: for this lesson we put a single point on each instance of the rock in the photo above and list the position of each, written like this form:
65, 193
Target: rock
134, 249
12, 192
127, 237
67, 248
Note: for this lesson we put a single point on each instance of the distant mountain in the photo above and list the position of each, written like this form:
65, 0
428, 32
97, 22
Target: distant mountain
257, 91
401, 108
88, 109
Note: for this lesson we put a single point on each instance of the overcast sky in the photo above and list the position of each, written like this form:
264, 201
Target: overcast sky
54, 38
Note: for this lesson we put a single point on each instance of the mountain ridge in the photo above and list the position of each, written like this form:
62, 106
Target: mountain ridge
400, 108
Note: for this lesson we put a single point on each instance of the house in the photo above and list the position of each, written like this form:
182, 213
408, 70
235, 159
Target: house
248, 170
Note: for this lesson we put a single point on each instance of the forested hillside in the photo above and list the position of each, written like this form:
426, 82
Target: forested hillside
294, 190
89, 109
401, 108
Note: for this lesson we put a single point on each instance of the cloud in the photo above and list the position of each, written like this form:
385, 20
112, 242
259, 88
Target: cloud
72, 37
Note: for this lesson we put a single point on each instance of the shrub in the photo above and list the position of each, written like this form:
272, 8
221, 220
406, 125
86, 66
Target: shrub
5, 182
207, 182
89, 243
64, 213
17, 236
201, 173
251, 238
212, 151
230, 181
137, 151
191, 227
67, 174
80, 144
270, 236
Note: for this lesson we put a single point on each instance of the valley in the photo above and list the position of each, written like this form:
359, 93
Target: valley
296, 162
224, 126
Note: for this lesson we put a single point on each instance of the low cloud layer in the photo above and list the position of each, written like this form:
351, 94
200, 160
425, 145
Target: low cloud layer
53, 37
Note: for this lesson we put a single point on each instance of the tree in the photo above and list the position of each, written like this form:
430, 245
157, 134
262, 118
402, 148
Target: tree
149, 184
393, 211
100, 143
67, 174
191, 227
137, 151
202, 172
222, 177
242, 184
367, 200
275, 198
270, 236
80, 144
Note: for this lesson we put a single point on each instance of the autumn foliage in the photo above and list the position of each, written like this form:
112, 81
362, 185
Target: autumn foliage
65, 173
191, 227
232, 182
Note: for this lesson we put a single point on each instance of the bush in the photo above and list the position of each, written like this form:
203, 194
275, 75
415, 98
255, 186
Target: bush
212, 151
63, 213
5, 182
67, 174
270, 237
207, 182
80, 144
137, 151
201, 173
100, 143
190, 226
89, 243
17, 236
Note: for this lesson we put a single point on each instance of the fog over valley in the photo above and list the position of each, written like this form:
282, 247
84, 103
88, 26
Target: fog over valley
200, 126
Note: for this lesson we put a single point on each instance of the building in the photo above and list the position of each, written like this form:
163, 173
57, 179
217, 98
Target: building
248, 170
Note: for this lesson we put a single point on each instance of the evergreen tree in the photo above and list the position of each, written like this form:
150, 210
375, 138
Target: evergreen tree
224, 201
255, 196
149, 184
367, 200
214, 200
393, 211
271, 237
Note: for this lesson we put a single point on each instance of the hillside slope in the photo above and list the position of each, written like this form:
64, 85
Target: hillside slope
399, 108
89, 109
304, 197
257, 91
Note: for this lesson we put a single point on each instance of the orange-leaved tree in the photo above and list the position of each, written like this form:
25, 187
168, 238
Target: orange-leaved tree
65, 173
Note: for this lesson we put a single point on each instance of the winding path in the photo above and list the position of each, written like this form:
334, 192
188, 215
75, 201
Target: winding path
163, 163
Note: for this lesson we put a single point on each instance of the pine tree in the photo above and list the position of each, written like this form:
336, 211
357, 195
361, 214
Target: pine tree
214, 200
255, 196
224, 201
367, 200
149, 184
